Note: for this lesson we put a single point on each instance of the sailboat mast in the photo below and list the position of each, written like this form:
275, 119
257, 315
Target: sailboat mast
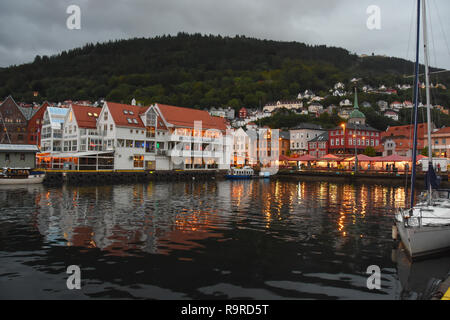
427, 85
416, 102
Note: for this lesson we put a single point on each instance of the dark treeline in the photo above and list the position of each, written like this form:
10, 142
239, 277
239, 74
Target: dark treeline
199, 71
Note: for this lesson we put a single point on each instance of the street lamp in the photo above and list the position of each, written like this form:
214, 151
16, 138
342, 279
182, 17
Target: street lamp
356, 155
343, 127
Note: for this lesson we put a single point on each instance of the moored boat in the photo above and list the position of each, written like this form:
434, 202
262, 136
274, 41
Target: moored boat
9, 176
240, 173
424, 228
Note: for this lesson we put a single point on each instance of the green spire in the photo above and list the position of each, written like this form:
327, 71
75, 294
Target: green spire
356, 113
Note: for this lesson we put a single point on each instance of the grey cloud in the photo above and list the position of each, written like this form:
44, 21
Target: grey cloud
29, 28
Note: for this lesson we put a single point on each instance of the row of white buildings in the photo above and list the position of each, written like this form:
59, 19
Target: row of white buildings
127, 137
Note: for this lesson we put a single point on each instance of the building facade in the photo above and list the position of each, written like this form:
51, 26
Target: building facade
318, 147
13, 122
301, 135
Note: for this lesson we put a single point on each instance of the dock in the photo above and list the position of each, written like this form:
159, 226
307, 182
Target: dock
351, 176
86, 177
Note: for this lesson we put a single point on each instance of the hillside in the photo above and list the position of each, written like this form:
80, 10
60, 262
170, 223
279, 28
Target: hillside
197, 71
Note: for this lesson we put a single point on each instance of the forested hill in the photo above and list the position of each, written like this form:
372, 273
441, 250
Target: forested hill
195, 71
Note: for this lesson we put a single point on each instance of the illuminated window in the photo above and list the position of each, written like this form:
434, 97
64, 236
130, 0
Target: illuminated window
138, 161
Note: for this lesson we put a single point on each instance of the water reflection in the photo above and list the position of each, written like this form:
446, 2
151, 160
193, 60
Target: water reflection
225, 239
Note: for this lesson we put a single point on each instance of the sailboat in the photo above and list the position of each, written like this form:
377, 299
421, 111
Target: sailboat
424, 228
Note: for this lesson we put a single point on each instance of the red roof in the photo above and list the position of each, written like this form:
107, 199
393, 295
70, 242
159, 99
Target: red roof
407, 131
441, 131
393, 158
185, 117
125, 115
86, 117
305, 157
331, 157
363, 158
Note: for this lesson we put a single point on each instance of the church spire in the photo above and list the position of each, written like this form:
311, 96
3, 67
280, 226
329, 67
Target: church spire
356, 100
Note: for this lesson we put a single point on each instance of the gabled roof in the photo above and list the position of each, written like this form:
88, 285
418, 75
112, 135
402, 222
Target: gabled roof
28, 112
123, 117
285, 135
310, 126
406, 131
320, 138
19, 148
185, 117
86, 117
441, 131
354, 126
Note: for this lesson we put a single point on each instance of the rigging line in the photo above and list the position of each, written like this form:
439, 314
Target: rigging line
411, 21
430, 23
442, 27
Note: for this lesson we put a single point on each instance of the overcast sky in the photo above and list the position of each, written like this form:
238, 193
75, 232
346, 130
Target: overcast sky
38, 27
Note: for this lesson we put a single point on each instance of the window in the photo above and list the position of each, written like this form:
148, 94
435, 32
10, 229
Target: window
125, 111
337, 142
129, 120
129, 143
151, 119
138, 161
131, 112
138, 144
120, 143
110, 127
332, 142
22, 156
350, 142
7, 157
135, 121
74, 145
105, 116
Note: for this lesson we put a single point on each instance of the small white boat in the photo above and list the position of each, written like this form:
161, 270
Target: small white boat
424, 228
240, 173
10, 176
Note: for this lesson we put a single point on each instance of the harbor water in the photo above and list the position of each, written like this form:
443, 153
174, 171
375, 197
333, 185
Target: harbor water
252, 239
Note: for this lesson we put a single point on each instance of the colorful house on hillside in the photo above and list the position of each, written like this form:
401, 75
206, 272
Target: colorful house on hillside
243, 113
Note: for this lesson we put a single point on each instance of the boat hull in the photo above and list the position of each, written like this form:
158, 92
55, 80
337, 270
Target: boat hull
32, 179
237, 177
424, 241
